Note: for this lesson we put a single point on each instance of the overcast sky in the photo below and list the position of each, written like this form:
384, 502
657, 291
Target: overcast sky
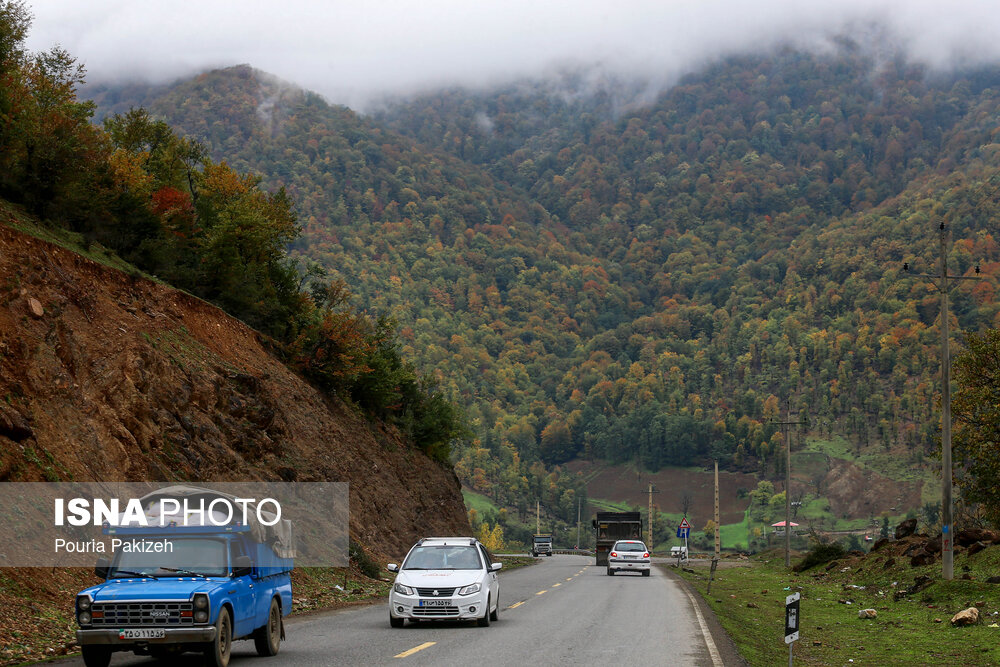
352, 51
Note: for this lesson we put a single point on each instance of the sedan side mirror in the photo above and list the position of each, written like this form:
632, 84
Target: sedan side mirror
102, 567
495, 566
242, 567
392, 567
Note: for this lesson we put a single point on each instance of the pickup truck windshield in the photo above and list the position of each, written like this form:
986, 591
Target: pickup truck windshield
443, 558
189, 556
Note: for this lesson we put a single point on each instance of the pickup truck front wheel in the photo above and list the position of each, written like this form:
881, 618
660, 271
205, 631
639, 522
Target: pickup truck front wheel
96, 656
267, 640
218, 652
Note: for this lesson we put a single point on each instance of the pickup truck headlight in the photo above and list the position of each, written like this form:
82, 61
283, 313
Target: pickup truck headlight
200, 601
469, 590
83, 602
402, 590
83, 618
201, 616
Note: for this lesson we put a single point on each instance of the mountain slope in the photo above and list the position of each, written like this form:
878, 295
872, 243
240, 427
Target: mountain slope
648, 284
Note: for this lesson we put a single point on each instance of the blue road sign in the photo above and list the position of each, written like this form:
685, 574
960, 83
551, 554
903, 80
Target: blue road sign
684, 532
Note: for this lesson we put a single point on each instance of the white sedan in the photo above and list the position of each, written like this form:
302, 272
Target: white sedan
445, 578
628, 555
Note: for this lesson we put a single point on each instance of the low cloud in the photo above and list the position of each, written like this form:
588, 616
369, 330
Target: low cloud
353, 52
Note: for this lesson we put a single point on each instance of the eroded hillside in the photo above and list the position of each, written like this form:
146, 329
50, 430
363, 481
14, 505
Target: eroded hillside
108, 376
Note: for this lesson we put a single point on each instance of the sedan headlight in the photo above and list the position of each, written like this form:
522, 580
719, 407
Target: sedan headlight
469, 590
402, 590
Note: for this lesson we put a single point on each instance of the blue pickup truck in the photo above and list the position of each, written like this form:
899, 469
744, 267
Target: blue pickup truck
217, 584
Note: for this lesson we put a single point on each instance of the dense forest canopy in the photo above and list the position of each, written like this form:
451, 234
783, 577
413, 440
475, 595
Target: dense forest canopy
649, 283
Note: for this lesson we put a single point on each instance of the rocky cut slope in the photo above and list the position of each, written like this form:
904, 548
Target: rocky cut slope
107, 376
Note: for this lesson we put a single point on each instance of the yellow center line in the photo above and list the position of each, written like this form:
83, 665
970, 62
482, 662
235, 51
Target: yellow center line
541, 592
516, 605
569, 578
413, 650
554, 585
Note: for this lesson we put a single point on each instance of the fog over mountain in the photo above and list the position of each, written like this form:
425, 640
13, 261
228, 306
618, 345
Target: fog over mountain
354, 52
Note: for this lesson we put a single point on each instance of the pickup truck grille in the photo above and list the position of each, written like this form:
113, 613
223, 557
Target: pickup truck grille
121, 614
441, 592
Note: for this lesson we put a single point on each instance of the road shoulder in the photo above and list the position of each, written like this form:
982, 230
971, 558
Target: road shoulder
723, 642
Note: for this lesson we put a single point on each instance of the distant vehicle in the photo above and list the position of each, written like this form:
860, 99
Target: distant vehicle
628, 556
445, 578
217, 584
680, 553
541, 544
614, 526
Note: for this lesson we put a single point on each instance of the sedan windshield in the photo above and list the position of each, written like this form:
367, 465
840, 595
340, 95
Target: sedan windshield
630, 546
443, 558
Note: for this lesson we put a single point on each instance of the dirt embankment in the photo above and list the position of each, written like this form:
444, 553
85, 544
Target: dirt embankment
104, 376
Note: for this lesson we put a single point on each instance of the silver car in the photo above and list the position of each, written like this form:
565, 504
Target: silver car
628, 555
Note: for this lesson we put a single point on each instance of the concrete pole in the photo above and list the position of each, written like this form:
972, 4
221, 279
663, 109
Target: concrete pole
788, 497
578, 523
538, 517
947, 541
649, 519
718, 543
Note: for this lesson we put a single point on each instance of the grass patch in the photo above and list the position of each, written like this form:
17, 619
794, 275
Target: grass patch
734, 535
72, 241
478, 502
905, 631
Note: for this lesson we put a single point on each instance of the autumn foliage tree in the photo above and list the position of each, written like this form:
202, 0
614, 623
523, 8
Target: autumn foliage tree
976, 409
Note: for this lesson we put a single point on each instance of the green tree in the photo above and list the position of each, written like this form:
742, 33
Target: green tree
976, 409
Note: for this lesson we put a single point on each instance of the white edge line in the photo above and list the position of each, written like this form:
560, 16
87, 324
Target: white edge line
713, 651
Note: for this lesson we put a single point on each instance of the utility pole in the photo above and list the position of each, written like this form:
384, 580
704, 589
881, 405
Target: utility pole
718, 543
947, 509
578, 523
538, 517
788, 492
649, 517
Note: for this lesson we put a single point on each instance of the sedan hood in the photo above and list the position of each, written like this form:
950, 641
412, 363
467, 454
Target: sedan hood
438, 578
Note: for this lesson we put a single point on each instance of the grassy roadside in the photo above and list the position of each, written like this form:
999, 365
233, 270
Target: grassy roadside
913, 630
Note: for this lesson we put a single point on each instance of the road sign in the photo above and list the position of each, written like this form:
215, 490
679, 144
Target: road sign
684, 532
792, 618
684, 523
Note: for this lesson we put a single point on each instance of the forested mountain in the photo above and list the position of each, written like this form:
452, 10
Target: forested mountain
595, 273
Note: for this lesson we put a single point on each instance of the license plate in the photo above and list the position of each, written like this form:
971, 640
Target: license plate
435, 603
141, 633
631, 557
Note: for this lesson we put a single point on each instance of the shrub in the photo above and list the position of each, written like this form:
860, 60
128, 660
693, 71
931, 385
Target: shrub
822, 552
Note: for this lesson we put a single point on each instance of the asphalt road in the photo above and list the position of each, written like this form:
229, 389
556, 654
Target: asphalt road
562, 611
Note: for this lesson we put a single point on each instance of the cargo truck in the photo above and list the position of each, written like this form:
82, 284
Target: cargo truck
541, 544
613, 526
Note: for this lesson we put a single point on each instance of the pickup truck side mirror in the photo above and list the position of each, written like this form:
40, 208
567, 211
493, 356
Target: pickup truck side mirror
242, 567
102, 567
392, 567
